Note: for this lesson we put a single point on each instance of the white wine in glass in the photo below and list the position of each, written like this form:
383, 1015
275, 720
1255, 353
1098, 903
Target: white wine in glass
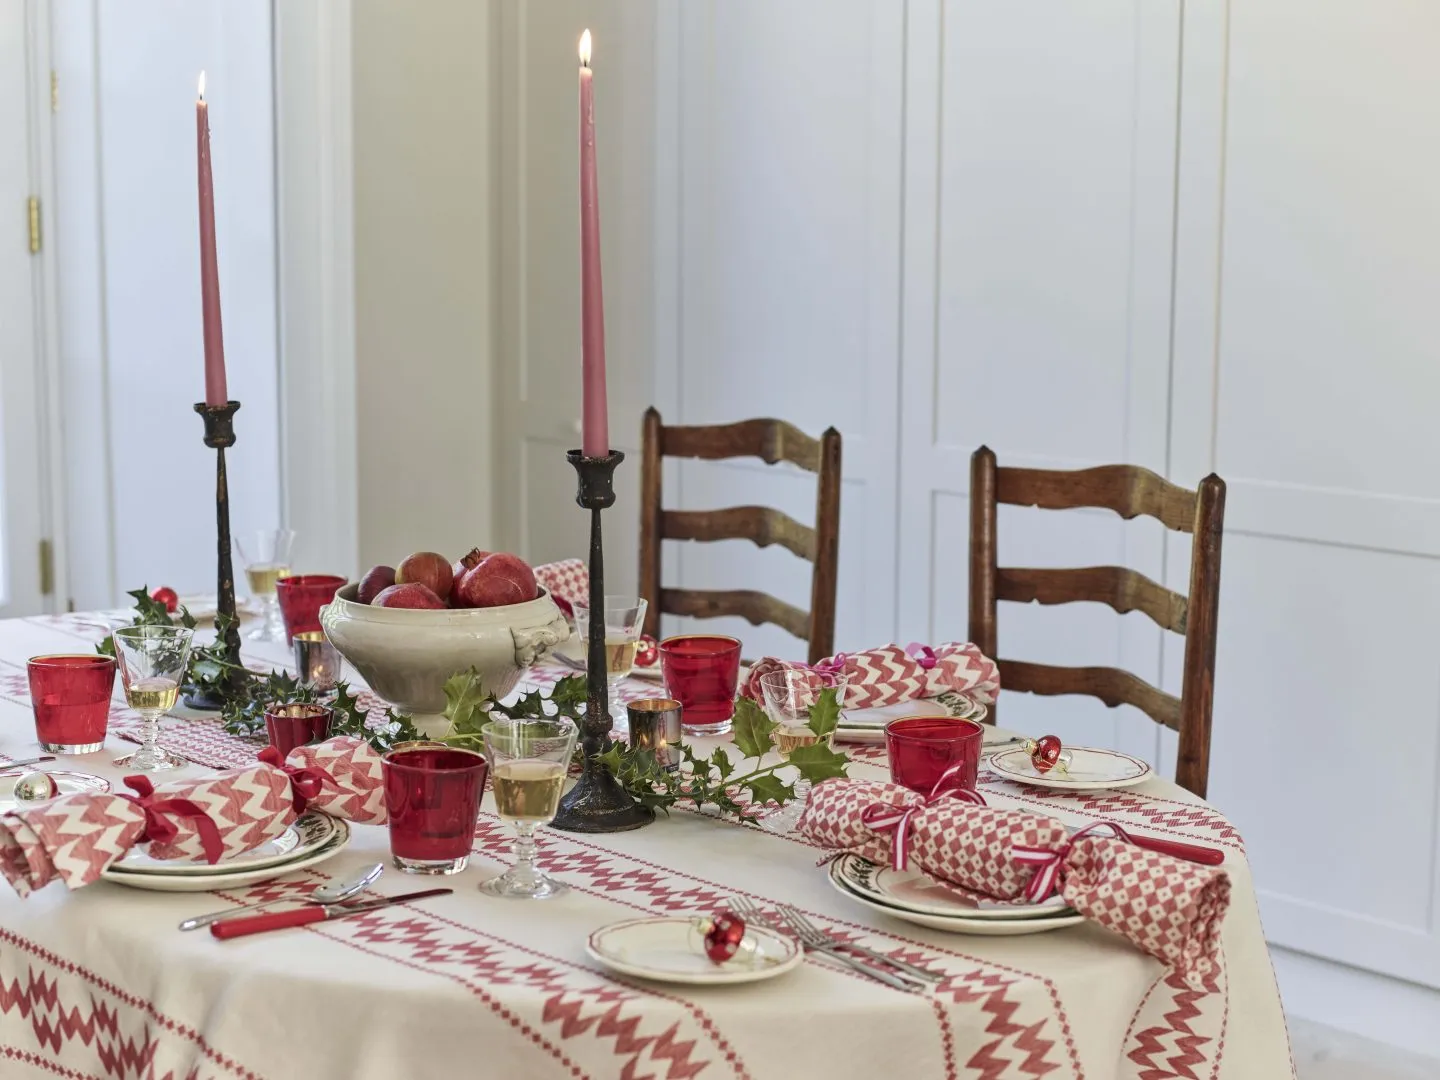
528, 760
790, 737
624, 619
263, 578
152, 661
265, 555
155, 692
528, 790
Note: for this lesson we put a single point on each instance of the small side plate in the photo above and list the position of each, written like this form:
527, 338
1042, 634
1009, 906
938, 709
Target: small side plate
1090, 770
659, 949
69, 783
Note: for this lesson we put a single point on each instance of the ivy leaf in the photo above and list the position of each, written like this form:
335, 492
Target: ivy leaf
770, 788
825, 713
818, 762
752, 729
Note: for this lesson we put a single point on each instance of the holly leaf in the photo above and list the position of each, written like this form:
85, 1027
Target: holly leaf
770, 788
818, 762
466, 703
752, 729
825, 713
720, 762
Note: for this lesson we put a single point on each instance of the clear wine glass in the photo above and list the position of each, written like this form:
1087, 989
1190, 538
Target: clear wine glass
624, 619
528, 763
789, 695
265, 555
152, 662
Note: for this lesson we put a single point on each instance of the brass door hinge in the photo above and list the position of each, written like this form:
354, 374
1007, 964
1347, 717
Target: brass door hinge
34, 210
47, 568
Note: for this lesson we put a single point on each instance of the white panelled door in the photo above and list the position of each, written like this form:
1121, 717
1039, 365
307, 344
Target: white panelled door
22, 325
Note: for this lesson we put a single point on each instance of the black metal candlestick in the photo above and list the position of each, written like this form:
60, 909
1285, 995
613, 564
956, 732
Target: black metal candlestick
220, 433
597, 803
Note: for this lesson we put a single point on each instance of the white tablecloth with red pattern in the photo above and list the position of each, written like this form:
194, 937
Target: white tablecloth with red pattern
99, 983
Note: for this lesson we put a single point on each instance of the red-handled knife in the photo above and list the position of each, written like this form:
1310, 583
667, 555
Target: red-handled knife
310, 913
1206, 856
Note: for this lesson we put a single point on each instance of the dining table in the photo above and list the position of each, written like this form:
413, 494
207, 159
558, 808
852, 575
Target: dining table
99, 981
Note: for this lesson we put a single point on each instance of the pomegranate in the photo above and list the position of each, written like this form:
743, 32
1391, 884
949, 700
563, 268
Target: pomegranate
167, 596
501, 579
408, 595
376, 580
427, 568
472, 558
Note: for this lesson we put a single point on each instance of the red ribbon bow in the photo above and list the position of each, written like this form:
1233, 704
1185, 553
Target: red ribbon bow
835, 665
924, 655
305, 782
898, 819
158, 813
1049, 863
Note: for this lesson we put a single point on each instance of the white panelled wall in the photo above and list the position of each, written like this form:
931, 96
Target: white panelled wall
1191, 236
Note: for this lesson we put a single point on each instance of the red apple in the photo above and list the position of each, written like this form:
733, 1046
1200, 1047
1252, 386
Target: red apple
167, 596
501, 579
474, 557
427, 568
409, 595
376, 580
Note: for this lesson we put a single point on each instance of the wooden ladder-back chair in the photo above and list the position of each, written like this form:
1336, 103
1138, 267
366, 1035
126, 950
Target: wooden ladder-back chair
1129, 491
771, 441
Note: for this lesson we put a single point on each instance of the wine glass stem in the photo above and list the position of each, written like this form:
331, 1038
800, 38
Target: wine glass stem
273, 626
149, 730
524, 868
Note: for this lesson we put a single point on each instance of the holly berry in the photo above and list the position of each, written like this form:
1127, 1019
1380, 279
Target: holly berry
1045, 753
167, 596
648, 653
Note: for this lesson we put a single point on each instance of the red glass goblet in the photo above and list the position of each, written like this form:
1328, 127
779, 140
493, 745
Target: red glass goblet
295, 724
702, 672
302, 597
923, 749
432, 795
70, 694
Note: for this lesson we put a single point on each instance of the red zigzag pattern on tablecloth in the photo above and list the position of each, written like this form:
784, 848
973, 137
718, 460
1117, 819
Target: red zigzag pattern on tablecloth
105, 1032
1175, 1030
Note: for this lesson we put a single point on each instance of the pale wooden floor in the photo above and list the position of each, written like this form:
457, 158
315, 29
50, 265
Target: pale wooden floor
1323, 1053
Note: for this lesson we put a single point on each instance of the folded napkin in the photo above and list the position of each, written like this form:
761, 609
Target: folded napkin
890, 674
75, 837
1164, 906
567, 581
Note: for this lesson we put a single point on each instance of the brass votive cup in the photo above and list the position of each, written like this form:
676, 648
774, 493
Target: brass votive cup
655, 725
316, 660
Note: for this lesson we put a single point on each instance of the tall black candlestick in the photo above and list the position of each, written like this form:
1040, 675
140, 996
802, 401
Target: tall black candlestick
220, 433
597, 803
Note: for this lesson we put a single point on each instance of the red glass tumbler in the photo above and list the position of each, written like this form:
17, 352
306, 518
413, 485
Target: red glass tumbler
702, 672
71, 697
923, 749
301, 598
432, 795
295, 724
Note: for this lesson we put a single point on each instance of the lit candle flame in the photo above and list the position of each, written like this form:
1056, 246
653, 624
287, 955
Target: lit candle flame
585, 49
202, 86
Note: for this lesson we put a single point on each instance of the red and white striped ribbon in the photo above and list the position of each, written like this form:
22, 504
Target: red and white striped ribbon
882, 817
1050, 863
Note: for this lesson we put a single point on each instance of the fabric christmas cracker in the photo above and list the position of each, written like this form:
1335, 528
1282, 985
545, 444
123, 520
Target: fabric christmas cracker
1165, 906
75, 837
890, 674
567, 582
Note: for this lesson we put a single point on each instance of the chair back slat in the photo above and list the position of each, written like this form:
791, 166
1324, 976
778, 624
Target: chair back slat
759, 524
1111, 685
772, 441
1129, 490
1120, 587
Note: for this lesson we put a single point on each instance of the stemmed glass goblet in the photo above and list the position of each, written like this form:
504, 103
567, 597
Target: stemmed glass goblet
528, 763
789, 695
152, 662
265, 555
624, 619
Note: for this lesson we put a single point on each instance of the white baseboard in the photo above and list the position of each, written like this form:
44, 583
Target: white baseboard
1363, 1003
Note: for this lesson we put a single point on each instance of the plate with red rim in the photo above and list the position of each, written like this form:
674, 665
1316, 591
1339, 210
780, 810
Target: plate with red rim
916, 892
1090, 769
66, 781
660, 949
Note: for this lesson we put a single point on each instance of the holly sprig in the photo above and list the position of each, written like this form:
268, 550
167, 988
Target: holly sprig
245, 694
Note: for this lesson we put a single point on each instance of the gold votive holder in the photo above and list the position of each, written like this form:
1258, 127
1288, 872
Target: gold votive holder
655, 725
316, 660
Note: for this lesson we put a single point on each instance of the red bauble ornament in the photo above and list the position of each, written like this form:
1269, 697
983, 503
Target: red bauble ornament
167, 596
648, 653
723, 938
1045, 753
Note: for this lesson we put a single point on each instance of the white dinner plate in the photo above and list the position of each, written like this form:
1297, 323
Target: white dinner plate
660, 949
917, 892
952, 925
306, 834
337, 843
1089, 770
69, 783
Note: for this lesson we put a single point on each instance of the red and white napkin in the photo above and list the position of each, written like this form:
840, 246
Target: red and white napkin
75, 837
567, 581
891, 674
1166, 907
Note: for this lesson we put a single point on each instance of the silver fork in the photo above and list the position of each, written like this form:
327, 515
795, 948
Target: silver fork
813, 937
748, 909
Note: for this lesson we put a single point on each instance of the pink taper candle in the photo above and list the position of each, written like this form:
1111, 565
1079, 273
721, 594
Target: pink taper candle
215, 391
595, 422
